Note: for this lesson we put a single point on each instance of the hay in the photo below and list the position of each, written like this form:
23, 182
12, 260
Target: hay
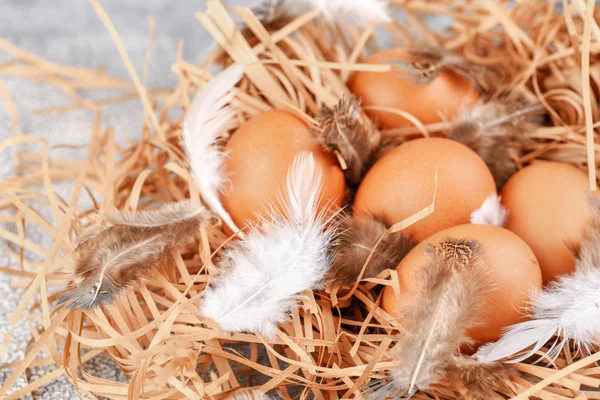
339, 340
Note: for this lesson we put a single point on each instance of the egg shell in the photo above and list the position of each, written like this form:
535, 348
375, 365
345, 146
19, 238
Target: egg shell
444, 98
548, 207
259, 155
402, 183
510, 266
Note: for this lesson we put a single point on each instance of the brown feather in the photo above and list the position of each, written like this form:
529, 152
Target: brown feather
482, 380
498, 133
166, 215
388, 142
358, 238
109, 260
342, 130
271, 12
587, 251
436, 321
433, 60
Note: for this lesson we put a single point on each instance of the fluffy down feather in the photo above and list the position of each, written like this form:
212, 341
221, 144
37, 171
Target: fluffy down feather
264, 275
359, 13
498, 132
341, 130
202, 133
167, 214
109, 260
431, 61
355, 243
567, 309
435, 323
387, 142
480, 379
491, 212
254, 395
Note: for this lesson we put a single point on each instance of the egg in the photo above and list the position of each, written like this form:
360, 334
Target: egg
509, 264
441, 99
548, 207
402, 183
259, 154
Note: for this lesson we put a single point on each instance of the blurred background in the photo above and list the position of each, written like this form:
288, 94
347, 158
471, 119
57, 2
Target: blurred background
69, 32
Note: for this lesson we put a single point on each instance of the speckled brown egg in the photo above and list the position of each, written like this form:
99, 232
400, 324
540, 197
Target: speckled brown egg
402, 183
548, 207
259, 155
510, 266
442, 98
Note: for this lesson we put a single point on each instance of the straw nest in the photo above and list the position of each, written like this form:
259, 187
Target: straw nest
339, 340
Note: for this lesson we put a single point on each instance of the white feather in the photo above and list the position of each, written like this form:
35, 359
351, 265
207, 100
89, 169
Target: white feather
359, 13
517, 338
254, 395
491, 212
202, 128
266, 273
569, 309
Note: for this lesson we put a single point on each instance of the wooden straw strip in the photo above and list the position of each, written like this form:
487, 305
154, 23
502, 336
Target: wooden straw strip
292, 73
14, 238
534, 390
70, 71
51, 346
223, 365
369, 368
364, 326
109, 167
586, 93
151, 26
229, 37
47, 181
46, 379
41, 342
358, 49
335, 65
582, 8
61, 231
130, 68
288, 29
11, 108
5, 345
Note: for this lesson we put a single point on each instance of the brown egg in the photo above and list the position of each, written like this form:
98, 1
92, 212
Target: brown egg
260, 153
402, 183
510, 265
548, 207
442, 98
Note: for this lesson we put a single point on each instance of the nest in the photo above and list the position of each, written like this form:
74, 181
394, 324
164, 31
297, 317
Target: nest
340, 339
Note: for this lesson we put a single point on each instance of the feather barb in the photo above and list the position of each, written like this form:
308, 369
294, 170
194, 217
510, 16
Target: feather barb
566, 309
436, 320
264, 274
109, 260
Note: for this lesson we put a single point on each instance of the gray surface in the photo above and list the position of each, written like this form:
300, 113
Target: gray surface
69, 32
